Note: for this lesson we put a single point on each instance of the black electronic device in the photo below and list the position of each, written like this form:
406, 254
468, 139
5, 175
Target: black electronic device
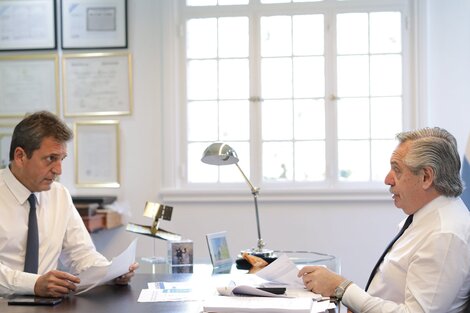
25, 300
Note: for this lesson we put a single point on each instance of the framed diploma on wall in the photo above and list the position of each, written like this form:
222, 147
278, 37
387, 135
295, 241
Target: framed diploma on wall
94, 24
27, 25
97, 84
97, 154
28, 83
6, 133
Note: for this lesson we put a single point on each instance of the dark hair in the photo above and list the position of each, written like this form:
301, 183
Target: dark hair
31, 131
437, 148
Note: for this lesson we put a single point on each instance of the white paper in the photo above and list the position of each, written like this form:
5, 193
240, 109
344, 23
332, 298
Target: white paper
282, 270
98, 275
257, 304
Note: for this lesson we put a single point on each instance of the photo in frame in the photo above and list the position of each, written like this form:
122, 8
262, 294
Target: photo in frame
180, 256
38, 28
219, 251
29, 83
97, 84
97, 154
94, 24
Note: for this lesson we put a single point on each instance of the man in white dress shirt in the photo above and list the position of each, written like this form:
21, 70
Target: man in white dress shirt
428, 268
39, 145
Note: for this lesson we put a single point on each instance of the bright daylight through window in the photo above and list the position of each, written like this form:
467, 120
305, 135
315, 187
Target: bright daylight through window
306, 92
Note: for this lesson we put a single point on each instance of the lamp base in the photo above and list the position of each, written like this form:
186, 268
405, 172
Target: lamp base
266, 254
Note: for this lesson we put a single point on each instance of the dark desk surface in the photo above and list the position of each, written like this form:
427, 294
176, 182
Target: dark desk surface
115, 299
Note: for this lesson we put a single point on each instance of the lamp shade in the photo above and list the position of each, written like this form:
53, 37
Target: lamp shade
219, 154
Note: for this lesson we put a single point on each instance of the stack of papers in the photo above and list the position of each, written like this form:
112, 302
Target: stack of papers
257, 304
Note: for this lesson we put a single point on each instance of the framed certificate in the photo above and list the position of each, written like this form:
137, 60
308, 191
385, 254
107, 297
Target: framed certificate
6, 133
28, 83
97, 154
94, 24
97, 84
27, 25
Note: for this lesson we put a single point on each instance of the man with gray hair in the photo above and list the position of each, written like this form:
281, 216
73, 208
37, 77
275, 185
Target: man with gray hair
426, 268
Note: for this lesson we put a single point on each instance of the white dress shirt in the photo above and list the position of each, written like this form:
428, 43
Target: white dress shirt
61, 234
427, 269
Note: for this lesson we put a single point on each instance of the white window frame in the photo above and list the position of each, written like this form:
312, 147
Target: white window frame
174, 185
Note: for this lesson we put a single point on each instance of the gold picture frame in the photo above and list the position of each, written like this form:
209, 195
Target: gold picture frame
97, 84
30, 83
97, 154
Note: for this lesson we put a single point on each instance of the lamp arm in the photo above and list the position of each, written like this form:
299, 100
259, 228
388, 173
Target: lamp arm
254, 192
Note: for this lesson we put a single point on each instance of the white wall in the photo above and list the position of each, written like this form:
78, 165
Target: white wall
355, 231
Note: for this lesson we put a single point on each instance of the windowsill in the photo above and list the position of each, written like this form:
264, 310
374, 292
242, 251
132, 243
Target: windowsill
267, 195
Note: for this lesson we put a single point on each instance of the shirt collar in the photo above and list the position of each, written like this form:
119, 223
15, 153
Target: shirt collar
19, 191
436, 203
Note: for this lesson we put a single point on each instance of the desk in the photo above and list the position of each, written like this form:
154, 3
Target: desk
117, 299
113, 299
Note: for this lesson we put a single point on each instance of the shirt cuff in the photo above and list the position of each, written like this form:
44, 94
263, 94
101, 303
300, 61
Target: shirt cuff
25, 283
354, 297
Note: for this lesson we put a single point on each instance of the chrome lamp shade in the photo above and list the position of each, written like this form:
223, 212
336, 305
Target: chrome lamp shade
222, 154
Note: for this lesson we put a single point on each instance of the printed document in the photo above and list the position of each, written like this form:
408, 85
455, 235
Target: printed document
98, 275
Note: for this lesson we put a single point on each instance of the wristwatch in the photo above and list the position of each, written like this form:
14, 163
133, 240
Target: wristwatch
339, 291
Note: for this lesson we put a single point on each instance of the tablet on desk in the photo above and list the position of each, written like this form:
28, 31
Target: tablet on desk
25, 300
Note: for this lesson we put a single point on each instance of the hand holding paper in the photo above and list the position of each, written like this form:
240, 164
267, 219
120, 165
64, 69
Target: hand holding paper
98, 275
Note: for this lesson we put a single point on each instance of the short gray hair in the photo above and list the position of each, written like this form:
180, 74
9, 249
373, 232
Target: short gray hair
435, 148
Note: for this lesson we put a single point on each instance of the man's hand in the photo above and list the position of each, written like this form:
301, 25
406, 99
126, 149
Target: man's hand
125, 279
320, 280
55, 284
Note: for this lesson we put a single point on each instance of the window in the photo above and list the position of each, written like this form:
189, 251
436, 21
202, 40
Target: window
308, 93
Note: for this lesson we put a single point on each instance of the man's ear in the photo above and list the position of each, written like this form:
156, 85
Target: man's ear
428, 177
19, 155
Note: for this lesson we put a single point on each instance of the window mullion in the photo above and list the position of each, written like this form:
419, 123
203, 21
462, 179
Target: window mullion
331, 99
255, 99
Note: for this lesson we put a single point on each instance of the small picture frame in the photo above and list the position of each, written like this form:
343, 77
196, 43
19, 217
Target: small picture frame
180, 256
218, 250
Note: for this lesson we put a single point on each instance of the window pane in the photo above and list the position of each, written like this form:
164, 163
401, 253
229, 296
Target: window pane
202, 80
277, 161
308, 35
385, 32
233, 37
201, 39
353, 160
309, 119
234, 79
234, 120
353, 76
202, 120
386, 117
309, 77
199, 172
232, 2
277, 119
310, 161
353, 118
353, 33
276, 75
276, 36
214, 2
385, 75
381, 152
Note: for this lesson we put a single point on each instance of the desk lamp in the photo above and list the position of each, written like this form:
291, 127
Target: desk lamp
222, 154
